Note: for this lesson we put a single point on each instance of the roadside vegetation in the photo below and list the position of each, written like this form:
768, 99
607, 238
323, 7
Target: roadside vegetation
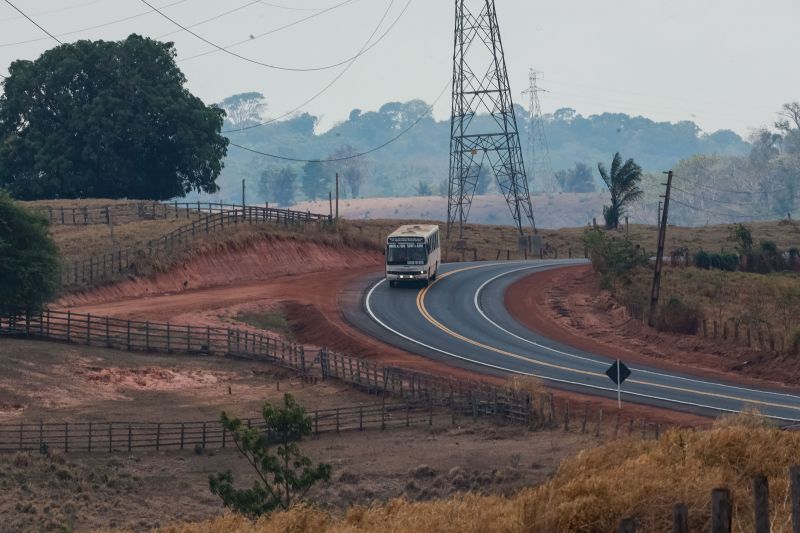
28, 258
750, 293
591, 491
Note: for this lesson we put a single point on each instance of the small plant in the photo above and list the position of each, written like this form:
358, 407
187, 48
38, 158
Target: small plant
677, 316
283, 476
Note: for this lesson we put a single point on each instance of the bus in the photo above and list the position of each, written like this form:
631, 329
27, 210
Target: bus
413, 254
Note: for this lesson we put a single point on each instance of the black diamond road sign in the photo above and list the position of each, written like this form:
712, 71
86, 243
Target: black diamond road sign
618, 375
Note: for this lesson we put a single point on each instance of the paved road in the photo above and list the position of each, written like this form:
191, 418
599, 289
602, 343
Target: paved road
462, 317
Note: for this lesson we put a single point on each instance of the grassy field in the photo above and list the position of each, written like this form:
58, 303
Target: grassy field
591, 491
481, 241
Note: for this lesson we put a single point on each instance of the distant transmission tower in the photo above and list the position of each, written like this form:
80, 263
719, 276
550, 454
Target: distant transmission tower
480, 85
540, 172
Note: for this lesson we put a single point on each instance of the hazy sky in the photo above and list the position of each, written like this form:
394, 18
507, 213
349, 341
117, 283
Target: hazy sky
722, 63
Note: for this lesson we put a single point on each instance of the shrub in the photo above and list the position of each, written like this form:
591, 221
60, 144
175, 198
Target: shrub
614, 259
677, 316
793, 342
28, 258
721, 261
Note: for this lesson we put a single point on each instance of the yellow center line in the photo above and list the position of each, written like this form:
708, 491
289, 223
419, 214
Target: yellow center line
424, 312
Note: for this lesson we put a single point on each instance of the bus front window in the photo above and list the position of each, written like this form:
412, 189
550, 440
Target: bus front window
406, 255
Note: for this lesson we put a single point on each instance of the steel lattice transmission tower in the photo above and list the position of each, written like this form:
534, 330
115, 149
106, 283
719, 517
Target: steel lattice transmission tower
480, 85
540, 172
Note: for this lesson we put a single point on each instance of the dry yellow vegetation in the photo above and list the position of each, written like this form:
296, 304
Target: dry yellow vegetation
590, 492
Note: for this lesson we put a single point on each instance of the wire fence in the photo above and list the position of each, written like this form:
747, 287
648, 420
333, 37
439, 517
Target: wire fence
215, 218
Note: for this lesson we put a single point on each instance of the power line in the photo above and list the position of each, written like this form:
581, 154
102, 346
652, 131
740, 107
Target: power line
94, 27
336, 78
306, 69
215, 17
33, 22
269, 32
724, 215
353, 156
226, 50
58, 10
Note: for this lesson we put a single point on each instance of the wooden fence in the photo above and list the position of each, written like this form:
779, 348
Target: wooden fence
129, 436
470, 398
722, 508
216, 218
124, 212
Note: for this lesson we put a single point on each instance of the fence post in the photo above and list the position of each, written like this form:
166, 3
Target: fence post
360, 417
337, 420
794, 478
720, 511
147, 335
204, 435
761, 503
182, 434
680, 519
129, 437
89, 445
66, 437
110, 436
69, 324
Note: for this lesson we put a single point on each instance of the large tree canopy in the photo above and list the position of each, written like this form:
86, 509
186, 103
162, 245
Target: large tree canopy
106, 119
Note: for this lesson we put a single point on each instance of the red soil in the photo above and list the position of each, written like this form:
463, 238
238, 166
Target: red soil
565, 304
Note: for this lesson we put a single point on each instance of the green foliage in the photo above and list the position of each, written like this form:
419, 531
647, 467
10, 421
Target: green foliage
282, 477
677, 316
576, 179
741, 236
316, 181
614, 259
794, 341
423, 188
623, 184
244, 109
279, 184
106, 120
29, 271
720, 261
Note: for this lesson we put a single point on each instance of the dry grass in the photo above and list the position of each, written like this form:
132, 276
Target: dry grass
590, 492
488, 240
769, 305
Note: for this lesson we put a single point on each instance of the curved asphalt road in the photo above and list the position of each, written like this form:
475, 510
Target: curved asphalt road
461, 316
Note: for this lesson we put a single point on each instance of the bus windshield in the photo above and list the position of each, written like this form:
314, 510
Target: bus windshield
406, 253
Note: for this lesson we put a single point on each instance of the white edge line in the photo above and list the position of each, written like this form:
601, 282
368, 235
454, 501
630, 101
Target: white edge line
588, 359
415, 341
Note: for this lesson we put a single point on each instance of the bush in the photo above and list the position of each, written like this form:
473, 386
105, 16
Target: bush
614, 259
678, 317
28, 259
793, 342
721, 261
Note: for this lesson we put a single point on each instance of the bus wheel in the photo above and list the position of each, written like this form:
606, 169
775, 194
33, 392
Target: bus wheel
425, 283
392, 283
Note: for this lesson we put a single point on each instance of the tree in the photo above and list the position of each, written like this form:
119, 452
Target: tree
244, 109
351, 169
623, 184
316, 181
282, 477
106, 120
576, 179
28, 258
279, 184
423, 188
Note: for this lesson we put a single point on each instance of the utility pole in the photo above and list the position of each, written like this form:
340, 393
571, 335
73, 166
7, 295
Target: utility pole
337, 196
659, 213
330, 204
662, 233
243, 204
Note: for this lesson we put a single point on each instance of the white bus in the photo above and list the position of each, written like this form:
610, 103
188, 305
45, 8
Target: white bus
413, 254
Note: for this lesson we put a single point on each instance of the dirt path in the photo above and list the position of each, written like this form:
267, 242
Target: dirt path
566, 305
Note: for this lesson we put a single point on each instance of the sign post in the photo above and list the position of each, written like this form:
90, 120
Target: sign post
618, 373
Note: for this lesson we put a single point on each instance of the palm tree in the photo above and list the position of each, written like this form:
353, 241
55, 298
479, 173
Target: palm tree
623, 184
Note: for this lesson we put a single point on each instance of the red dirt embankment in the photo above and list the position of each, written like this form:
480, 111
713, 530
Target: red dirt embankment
266, 257
566, 305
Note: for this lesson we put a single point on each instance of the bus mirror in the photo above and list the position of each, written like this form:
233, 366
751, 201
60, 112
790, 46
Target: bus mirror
383, 251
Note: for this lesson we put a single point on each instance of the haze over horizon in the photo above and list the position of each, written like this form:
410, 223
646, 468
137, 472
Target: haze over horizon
718, 63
